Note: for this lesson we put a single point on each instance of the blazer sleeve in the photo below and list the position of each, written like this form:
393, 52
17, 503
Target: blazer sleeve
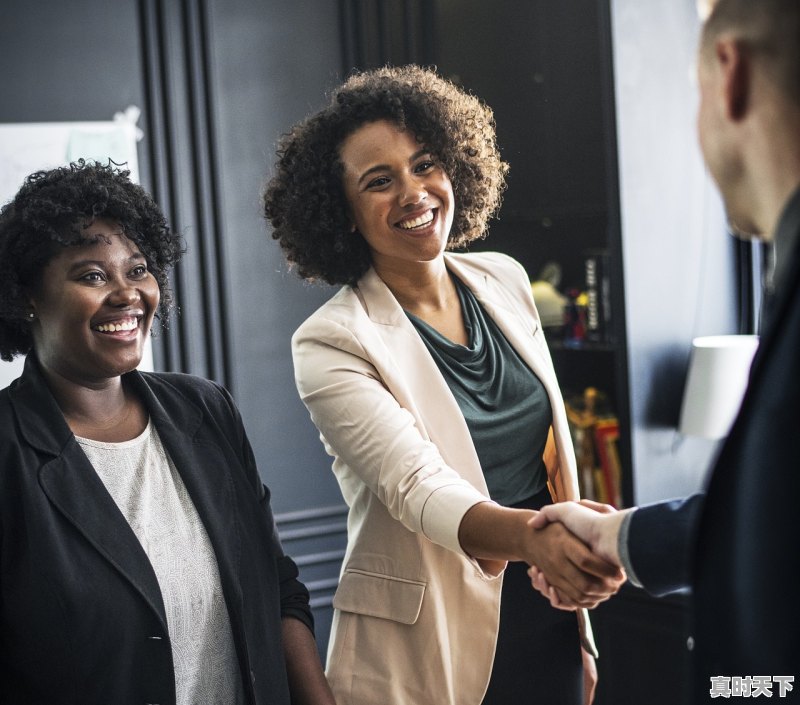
366, 429
661, 540
294, 596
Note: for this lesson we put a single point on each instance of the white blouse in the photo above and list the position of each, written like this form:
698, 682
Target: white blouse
150, 493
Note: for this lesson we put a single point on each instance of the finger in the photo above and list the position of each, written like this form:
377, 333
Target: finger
564, 566
591, 575
539, 520
599, 576
583, 589
558, 603
587, 562
540, 583
548, 514
537, 579
597, 506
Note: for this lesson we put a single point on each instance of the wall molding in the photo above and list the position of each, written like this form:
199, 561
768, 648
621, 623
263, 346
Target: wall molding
302, 532
182, 156
378, 32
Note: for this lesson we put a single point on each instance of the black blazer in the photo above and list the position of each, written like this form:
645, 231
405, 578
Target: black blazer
739, 547
81, 614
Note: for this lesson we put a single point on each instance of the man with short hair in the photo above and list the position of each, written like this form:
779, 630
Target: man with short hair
738, 546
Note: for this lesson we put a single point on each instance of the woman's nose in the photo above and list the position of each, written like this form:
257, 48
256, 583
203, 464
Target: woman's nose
412, 192
124, 294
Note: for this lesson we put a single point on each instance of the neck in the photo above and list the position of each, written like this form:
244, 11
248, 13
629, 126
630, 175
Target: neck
105, 411
776, 168
83, 399
772, 196
418, 287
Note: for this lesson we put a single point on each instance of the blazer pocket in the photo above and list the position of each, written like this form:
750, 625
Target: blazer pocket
383, 596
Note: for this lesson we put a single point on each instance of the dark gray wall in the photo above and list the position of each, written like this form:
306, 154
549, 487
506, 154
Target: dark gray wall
76, 61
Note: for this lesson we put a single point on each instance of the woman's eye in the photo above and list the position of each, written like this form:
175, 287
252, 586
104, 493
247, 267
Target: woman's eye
92, 277
378, 182
424, 166
139, 271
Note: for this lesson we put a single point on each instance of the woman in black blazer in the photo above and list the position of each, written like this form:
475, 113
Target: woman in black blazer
139, 560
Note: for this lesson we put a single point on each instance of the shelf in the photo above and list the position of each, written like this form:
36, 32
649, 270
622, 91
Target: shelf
560, 346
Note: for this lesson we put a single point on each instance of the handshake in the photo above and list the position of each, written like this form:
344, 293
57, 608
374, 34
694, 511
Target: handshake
590, 569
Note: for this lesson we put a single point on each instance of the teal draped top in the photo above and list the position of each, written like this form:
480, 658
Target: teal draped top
504, 403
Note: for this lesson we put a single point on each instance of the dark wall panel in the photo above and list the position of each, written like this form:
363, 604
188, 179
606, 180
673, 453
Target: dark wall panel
69, 61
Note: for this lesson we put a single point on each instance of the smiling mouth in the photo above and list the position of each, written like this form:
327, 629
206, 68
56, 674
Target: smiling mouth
123, 325
418, 222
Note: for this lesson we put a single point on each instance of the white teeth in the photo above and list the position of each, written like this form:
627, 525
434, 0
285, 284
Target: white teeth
423, 219
130, 324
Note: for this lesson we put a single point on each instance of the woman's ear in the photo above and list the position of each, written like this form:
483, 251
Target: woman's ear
30, 309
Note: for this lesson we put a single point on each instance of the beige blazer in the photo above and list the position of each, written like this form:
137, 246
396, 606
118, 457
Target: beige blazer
415, 618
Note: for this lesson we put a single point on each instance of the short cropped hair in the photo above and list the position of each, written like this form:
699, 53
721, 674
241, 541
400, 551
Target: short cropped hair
305, 200
50, 212
771, 28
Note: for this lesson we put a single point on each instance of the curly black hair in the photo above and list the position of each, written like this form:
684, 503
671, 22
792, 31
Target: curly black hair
305, 200
50, 212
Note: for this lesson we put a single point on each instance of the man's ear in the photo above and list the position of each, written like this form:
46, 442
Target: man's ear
734, 64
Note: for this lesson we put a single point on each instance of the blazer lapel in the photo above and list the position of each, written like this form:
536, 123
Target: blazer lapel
507, 319
414, 379
203, 468
74, 488
520, 331
78, 493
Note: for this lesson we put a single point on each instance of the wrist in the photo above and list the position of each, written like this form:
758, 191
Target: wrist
608, 541
526, 541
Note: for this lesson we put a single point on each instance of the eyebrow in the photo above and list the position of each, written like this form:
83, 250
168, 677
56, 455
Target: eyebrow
80, 264
384, 167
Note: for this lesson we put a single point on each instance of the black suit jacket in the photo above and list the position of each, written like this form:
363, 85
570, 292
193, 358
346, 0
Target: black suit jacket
81, 614
739, 547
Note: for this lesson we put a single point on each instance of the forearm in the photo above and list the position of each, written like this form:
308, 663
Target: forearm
307, 682
494, 533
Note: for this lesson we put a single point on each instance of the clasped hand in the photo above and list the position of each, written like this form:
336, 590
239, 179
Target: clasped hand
578, 564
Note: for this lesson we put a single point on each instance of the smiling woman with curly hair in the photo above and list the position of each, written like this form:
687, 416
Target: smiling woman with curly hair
140, 560
428, 378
